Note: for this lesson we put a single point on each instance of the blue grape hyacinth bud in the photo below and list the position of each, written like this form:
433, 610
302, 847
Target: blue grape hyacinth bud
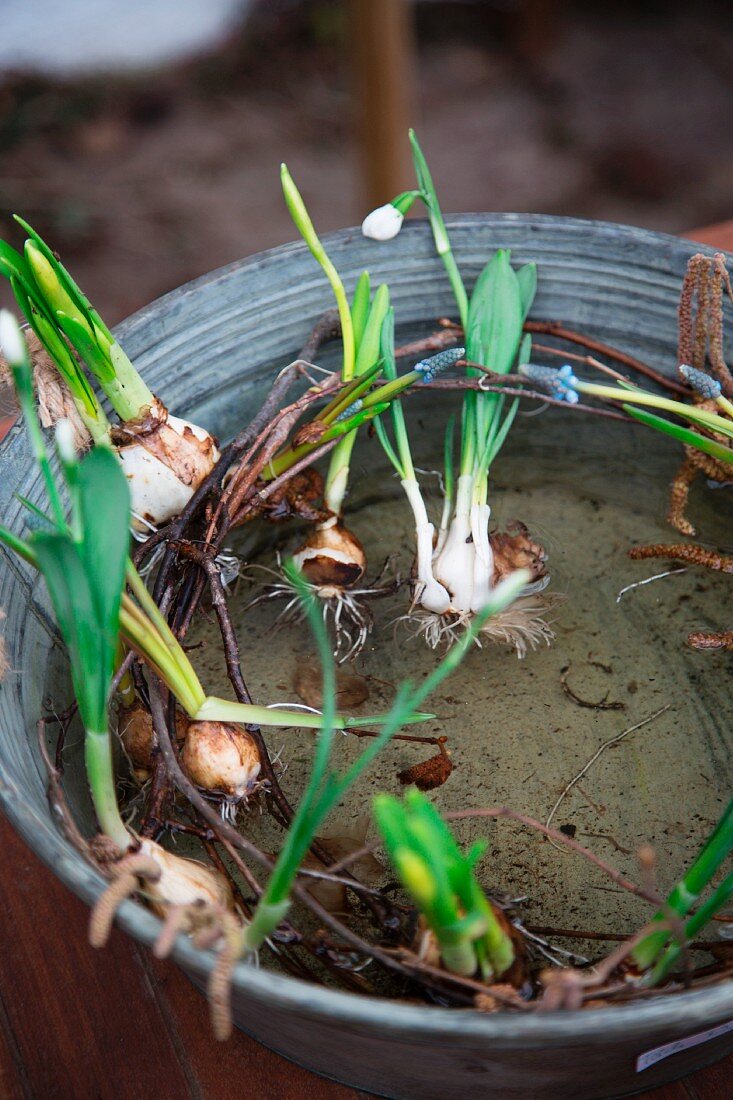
354, 407
558, 384
436, 364
703, 384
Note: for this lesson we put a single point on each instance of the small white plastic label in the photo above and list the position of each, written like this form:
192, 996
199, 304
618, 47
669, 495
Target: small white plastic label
658, 1054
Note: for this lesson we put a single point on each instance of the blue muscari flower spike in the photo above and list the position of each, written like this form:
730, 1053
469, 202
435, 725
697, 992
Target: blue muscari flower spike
436, 364
559, 384
349, 410
703, 384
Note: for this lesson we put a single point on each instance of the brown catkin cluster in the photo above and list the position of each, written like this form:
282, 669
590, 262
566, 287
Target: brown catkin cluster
700, 316
695, 555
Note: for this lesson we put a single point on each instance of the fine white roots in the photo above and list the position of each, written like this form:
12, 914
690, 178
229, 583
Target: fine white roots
524, 625
344, 611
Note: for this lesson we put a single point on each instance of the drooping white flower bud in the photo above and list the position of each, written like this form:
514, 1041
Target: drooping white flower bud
12, 344
383, 224
65, 441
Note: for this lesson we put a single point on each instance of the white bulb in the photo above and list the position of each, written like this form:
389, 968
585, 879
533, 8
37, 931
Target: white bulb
11, 338
383, 224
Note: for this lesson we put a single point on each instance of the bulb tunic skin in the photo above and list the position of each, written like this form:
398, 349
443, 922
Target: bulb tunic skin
331, 557
221, 757
184, 882
165, 459
135, 730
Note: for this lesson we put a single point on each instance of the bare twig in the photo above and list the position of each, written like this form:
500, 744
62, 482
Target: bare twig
599, 751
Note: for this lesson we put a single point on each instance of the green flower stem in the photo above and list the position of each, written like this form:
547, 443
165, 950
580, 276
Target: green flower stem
288, 458
688, 412
683, 435
348, 394
716, 848
725, 405
304, 225
695, 924
337, 478
275, 899
101, 778
390, 390
437, 224
373, 404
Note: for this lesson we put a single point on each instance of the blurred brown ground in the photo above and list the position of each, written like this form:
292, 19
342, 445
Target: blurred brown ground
614, 111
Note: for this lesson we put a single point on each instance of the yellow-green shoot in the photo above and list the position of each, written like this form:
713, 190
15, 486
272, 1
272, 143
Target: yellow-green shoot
361, 324
442, 882
63, 319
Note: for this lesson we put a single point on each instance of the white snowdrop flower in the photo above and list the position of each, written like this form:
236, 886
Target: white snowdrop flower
383, 224
11, 338
65, 440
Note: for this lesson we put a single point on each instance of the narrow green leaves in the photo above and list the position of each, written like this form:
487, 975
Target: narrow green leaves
371, 335
684, 896
70, 287
325, 789
58, 311
85, 576
683, 435
442, 882
495, 315
360, 307
104, 515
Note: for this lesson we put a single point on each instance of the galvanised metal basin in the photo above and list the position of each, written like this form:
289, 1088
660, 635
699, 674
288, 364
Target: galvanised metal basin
209, 349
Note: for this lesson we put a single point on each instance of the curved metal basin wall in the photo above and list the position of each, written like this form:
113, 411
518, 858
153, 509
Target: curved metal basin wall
211, 348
